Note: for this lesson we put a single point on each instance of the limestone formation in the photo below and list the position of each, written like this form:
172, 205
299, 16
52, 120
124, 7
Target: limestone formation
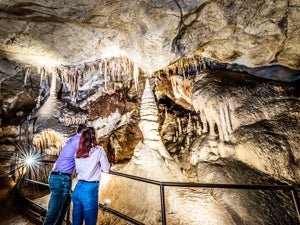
151, 161
48, 141
151, 33
148, 123
259, 119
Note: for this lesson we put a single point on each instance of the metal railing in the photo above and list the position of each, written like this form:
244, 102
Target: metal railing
163, 184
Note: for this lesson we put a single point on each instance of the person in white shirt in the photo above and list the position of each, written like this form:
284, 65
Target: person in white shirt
90, 160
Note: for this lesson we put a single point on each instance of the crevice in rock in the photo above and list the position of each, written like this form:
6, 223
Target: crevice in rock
176, 47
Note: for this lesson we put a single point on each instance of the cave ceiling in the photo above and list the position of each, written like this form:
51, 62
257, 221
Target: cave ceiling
152, 34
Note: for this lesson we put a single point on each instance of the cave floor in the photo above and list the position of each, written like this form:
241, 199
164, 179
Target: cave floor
10, 213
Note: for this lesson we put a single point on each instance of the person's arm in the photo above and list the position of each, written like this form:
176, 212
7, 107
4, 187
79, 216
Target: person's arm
75, 143
104, 161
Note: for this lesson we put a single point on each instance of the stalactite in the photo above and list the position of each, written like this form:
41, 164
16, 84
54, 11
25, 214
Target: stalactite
188, 140
223, 133
204, 122
42, 74
53, 84
105, 73
189, 127
46, 140
198, 128
117, 72
175, 138
28, 71
136, 76
227, 118
77, 119
179, 126
166, 113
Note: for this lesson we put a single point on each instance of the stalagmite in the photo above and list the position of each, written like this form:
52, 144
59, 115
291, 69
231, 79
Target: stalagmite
148, 123
149, 161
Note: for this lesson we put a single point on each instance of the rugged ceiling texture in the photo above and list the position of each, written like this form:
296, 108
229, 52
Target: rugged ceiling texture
152, 33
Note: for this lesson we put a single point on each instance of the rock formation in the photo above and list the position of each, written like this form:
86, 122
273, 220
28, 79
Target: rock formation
151, 33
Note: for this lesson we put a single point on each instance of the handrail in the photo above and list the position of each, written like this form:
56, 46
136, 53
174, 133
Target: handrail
36, 182
205, 185
162, 184
121, 215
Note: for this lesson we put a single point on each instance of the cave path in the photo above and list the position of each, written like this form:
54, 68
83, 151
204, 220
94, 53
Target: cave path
10, 212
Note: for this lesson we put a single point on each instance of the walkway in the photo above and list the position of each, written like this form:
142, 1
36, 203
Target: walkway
10, 213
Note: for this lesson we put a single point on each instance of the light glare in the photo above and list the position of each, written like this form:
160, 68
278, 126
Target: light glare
29, 161
106, 202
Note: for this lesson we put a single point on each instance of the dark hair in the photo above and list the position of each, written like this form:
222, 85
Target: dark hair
87, 141
80, 128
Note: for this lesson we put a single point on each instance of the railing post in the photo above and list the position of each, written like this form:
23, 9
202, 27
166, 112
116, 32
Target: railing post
296, 202
163, 204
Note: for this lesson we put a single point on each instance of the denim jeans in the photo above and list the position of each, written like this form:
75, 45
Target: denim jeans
85, 203
60, 186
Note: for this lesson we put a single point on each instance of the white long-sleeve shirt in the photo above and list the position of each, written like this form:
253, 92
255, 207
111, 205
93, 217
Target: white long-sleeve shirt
89, 169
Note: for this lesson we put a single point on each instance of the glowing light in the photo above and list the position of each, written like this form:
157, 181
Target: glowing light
106, 202
44, 58
29, 161
45, 61
113, 51
29, 158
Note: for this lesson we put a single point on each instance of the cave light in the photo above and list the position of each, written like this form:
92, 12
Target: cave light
106, 202
30, 159
36, 55
113, 51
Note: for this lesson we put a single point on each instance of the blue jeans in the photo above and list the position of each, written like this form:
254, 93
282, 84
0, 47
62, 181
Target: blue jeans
85, 203
60, 186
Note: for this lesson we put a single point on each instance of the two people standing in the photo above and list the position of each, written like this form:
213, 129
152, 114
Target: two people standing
60, 180
80, 150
